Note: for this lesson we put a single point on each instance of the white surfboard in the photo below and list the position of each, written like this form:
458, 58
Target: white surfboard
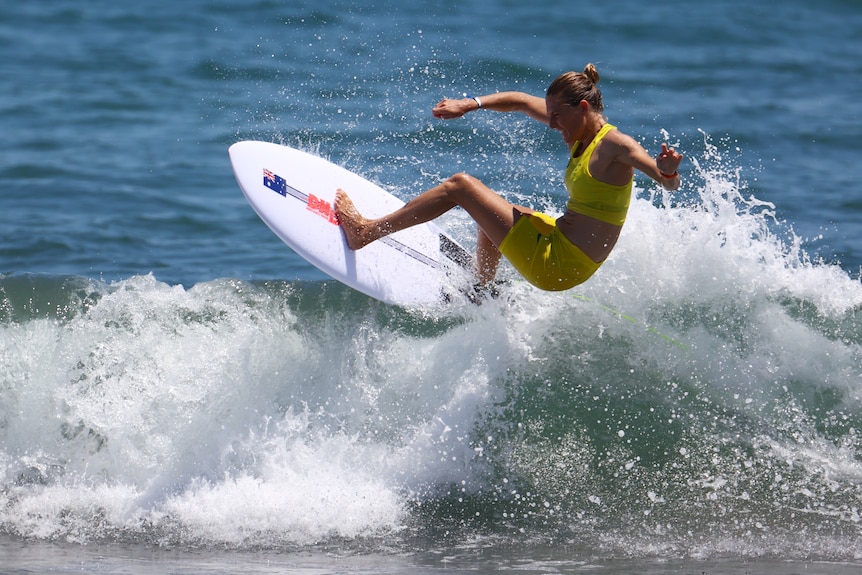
293, 192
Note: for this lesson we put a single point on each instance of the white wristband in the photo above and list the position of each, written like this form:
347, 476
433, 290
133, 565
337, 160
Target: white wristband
475, 99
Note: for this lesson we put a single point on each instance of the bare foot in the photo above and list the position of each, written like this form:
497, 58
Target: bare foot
352, 223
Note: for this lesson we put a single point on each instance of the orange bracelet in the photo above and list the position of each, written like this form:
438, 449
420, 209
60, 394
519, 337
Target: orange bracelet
668, 176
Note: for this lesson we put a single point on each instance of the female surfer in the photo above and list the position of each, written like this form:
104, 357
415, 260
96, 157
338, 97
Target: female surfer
551, 253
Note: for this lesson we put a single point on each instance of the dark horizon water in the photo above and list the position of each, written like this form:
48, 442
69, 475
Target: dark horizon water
180, 392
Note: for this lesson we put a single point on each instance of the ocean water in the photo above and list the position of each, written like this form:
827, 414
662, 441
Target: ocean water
179, 392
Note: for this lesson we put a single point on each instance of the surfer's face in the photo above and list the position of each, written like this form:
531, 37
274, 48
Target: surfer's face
568, 119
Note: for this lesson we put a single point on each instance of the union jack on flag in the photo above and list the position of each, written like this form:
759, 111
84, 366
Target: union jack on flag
274, 182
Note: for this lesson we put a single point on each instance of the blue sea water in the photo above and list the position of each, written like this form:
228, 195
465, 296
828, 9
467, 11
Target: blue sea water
179, 392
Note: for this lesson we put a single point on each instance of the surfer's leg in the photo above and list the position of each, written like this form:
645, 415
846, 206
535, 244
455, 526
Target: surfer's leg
360, 231
494, 215
487, 258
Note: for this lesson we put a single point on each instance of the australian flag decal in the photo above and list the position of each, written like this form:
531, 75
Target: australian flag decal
274, 182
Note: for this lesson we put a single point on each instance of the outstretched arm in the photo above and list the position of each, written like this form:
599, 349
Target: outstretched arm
532, 106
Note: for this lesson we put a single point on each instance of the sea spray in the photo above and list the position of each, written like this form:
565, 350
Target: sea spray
701, 395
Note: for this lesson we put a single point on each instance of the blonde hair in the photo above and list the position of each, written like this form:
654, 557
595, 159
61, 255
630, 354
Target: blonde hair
572, 87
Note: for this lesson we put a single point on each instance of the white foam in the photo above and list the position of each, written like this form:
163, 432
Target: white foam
226, 414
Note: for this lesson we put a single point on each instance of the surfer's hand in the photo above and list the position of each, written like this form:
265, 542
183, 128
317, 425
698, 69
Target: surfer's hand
448, 109
668, 160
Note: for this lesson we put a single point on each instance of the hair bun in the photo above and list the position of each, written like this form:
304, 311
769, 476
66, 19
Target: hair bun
591, 73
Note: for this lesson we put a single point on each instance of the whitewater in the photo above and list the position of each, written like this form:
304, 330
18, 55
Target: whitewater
696, 400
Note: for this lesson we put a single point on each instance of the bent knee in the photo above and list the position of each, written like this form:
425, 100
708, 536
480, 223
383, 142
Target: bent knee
461, 179
463, 182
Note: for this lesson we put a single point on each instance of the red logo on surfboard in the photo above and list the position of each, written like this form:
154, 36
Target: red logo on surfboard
322, 208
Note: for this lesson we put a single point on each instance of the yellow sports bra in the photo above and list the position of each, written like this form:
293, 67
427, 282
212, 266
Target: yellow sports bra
593, 198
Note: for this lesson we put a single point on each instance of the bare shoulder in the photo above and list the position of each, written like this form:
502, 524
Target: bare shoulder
626, 150
616, 146
622, 142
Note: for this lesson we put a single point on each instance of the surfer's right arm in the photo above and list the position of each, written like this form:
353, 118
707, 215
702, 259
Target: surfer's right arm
532, 106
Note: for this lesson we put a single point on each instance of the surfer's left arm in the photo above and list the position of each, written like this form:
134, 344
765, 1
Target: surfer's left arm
664, 168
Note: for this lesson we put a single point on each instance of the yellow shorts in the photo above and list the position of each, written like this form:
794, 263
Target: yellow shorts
544, 255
